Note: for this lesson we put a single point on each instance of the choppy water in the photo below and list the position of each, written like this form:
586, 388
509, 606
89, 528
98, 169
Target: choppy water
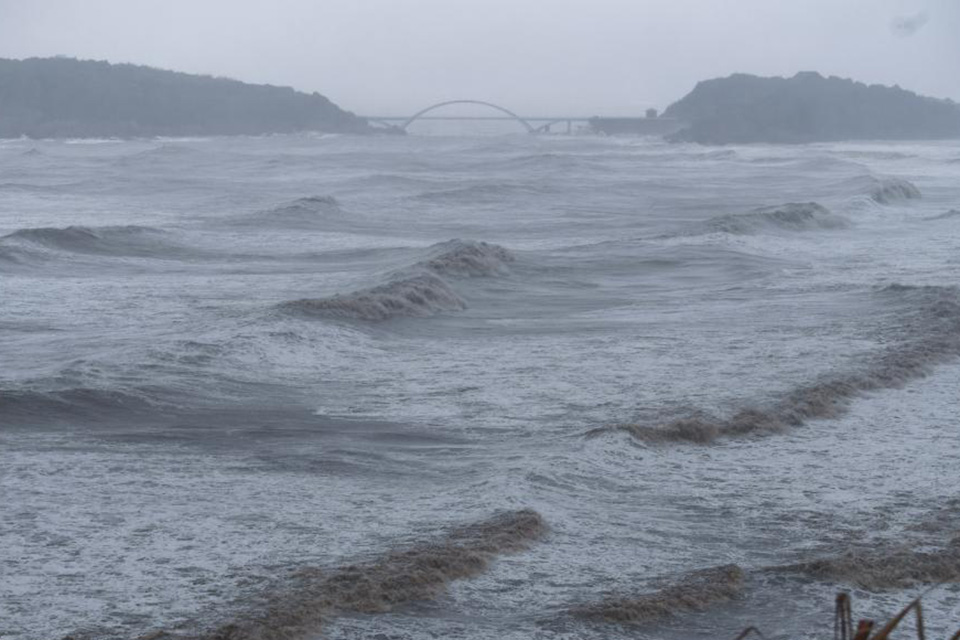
282, 382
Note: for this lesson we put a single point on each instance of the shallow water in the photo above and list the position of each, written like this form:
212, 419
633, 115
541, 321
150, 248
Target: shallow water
228, 361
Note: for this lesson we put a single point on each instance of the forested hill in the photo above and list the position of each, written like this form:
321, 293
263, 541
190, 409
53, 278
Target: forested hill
808, 108
64, 97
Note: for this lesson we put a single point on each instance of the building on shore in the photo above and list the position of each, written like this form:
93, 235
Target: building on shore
651, 125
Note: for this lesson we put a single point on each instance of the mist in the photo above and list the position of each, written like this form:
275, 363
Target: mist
481, 320
572, 57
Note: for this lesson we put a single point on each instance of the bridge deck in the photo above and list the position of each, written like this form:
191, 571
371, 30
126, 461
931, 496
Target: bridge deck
600, 125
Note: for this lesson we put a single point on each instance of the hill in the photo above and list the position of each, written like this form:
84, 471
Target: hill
808, 108
64, 97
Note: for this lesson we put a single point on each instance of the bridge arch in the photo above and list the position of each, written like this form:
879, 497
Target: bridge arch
419, 114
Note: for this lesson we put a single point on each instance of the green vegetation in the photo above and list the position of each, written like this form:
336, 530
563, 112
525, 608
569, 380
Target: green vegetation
808, 108
64, 97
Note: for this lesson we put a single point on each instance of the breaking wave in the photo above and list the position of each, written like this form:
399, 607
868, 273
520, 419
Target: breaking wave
933, 337
128, 240
417, 573
792, 216
417, 291
468, 258
879, 570
890, 190
877, 190
417, 296
302, 212
895, 563
694, 591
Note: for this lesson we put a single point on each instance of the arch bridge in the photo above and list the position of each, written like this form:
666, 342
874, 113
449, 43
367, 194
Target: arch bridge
544, 123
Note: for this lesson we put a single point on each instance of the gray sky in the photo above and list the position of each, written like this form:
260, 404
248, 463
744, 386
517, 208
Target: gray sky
546, 57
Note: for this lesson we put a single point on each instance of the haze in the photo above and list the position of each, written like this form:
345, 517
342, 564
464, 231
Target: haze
570, 57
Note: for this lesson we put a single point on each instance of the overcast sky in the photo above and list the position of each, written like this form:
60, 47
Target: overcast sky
538, 57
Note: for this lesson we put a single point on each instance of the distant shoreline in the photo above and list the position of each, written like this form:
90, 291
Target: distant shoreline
744, 109
56, 98
65, 98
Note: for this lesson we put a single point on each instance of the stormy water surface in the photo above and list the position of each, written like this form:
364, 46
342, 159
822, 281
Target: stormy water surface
477, 387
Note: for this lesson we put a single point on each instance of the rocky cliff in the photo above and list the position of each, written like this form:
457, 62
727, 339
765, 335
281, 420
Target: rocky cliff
808, 108
64, 97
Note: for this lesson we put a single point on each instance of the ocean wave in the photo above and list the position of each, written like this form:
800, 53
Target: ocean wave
468, 258
417, 291
781, 160
890, 190
541, 162
884, 568
24, 187
164, 151
914, 557
877, 190
417, 296
420, 572
401, 182
171, 150
23, 406
953, 213
130, 240
694, 591
932, 329
715, 154
481, 193
872, 154
302, 212
92, 141
792, 216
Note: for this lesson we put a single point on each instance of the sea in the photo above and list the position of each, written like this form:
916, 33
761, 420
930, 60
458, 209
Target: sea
476, 386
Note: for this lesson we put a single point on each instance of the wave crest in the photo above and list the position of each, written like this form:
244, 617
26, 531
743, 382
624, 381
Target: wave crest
932, 336
694, 591
28, 405
881, 569
468, 258
417, 573
129, 240
302, 212
792, 216
890, 190
417, 291
417, 296
878, 571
